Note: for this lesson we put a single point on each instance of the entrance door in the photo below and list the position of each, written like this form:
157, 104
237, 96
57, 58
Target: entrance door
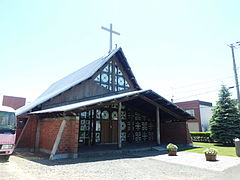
109, 128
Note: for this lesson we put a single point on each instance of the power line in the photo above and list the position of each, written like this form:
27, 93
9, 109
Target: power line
198, 94
207, 87
205, 82
216, 88
177, 90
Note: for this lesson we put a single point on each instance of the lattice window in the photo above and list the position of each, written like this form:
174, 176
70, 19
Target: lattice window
139, 127
112, 78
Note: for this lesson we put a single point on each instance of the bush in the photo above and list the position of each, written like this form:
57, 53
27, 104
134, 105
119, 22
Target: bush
201, 136
211, 151
172, 147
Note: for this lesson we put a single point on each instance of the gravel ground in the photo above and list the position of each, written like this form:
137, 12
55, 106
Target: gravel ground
142, 165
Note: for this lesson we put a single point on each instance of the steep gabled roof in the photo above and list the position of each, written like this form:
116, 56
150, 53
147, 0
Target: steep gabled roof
77, 77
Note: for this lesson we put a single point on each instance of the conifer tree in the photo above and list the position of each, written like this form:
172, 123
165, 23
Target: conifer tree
225, 122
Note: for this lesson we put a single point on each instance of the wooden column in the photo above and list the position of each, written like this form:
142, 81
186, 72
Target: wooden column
37, 136
119, 125
23, 130
94, 127
158, 126
57, 141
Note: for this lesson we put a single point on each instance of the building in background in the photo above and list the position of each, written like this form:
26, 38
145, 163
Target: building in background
201, 110
13, 102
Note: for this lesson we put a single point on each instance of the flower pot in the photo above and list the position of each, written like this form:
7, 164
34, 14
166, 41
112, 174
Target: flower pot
172, 153
210, 157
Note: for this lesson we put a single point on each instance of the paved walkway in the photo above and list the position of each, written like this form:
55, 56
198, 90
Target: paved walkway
146, 165
198, 160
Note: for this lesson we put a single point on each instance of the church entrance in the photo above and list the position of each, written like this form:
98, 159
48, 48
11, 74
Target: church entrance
109, 131
100, 126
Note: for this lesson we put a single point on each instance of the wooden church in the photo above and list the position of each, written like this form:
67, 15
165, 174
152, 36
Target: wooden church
99, 104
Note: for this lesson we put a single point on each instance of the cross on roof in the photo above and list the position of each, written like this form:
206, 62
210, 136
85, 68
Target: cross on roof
111, 32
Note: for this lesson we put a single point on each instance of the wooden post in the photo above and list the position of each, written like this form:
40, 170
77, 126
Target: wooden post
37, 136
119, 126
94, 127
158, 126
57, 141
23, 130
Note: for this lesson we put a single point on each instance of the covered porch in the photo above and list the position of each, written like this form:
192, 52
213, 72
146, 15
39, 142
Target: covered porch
133, 119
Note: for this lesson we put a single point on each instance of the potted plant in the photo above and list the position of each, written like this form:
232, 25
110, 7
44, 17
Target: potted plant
210, 154
172, 149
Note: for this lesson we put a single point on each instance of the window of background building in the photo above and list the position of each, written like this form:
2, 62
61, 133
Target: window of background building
191, 111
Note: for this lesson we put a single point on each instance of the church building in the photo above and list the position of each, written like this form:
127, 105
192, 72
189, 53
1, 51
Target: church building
98, 105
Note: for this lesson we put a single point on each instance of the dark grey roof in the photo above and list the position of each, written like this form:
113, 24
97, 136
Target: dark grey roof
77, 77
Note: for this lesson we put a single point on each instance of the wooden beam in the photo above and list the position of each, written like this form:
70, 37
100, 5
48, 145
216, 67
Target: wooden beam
119, 125
102, 104
57, 140
161, 107
158, 126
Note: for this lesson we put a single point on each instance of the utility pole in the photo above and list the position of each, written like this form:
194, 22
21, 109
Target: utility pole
232, 46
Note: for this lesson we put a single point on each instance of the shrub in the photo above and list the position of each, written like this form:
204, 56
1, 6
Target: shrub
201, 136
172, 147
210, 151
225, 121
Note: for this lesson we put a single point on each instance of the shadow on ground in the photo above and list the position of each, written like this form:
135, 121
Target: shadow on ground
3, 160
97, 155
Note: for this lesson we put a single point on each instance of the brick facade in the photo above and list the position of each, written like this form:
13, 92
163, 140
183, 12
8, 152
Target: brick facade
29, 134
175, 132
192, 105
69, 140
49, 128
48, 132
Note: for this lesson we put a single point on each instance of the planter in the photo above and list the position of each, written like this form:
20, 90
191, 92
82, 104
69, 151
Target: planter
210, 157
172, 153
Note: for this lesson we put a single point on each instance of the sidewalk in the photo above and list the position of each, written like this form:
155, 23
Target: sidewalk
198, 160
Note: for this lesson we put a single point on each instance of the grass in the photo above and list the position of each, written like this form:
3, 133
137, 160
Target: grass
222, 150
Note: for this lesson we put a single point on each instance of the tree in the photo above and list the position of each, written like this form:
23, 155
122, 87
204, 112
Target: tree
225, 122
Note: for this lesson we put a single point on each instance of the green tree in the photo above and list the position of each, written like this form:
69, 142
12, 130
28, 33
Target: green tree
225, 122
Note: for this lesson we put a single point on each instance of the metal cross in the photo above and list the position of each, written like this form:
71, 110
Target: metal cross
111, 32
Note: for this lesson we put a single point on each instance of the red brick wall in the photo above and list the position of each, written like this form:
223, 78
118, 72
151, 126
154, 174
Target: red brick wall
29, 134
48, 132
49, 128
175, 132
69, 140
196, 107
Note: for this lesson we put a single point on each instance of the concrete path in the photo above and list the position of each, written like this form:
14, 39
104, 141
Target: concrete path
143, 165
198, 160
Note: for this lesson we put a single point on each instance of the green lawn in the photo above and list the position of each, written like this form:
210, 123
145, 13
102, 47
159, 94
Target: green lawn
222, 150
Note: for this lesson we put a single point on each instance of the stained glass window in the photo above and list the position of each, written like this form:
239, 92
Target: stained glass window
112, 78
139, 127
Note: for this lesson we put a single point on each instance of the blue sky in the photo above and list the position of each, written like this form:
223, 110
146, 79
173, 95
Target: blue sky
177, 48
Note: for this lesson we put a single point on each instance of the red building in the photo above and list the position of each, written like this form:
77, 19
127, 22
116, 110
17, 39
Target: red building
13, 102
201, 110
